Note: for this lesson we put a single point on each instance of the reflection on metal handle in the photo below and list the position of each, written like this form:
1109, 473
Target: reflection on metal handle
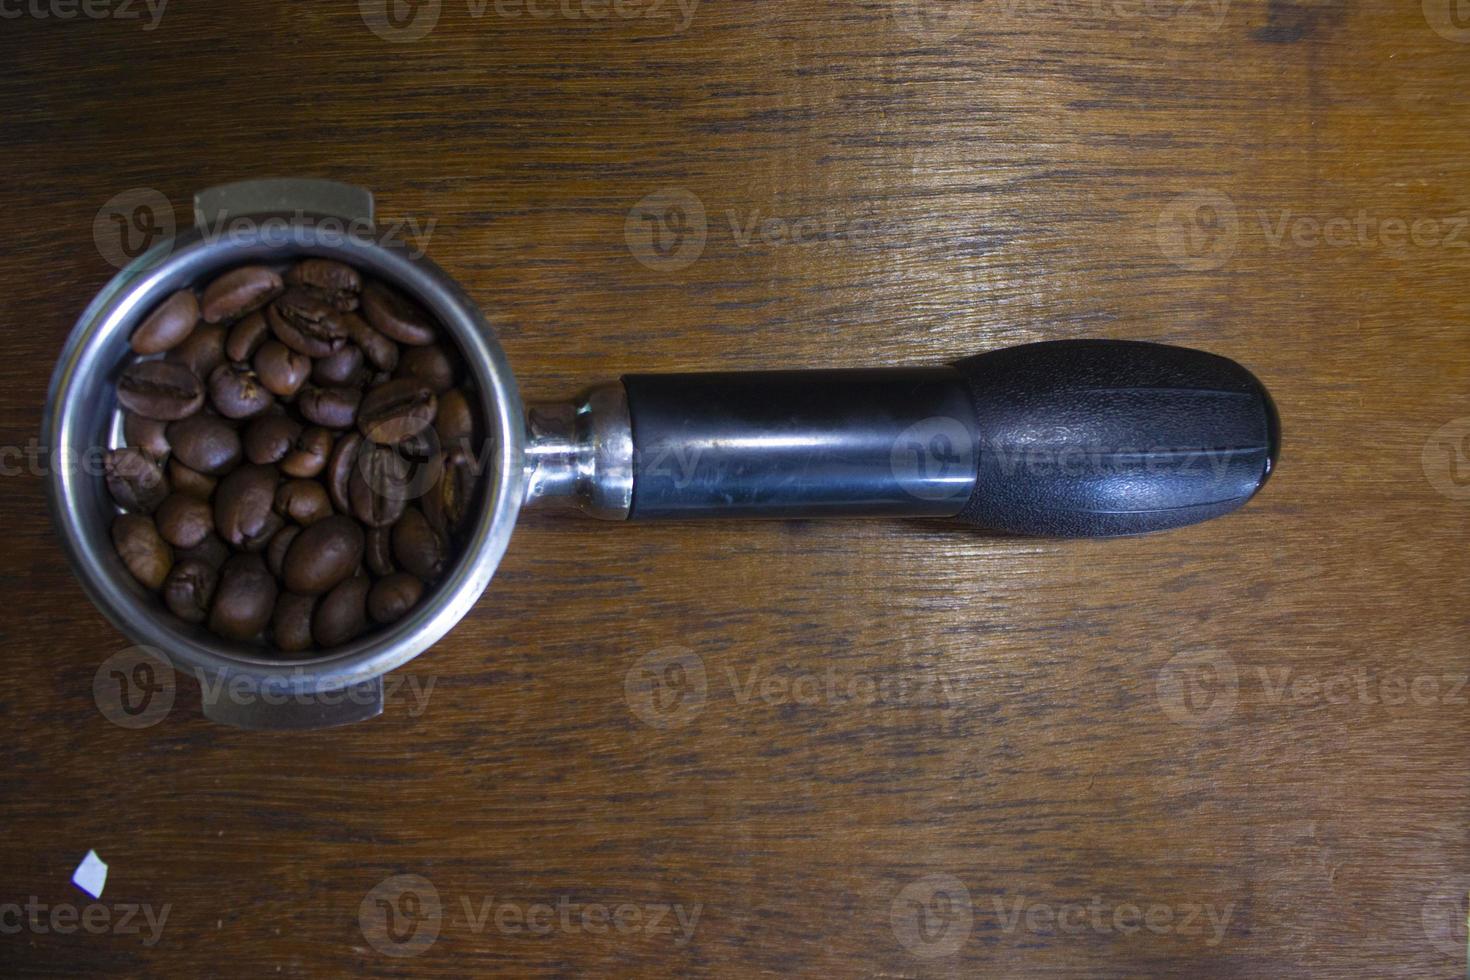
579, 454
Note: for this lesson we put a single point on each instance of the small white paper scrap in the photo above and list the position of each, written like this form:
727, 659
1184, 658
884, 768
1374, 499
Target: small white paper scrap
91, 875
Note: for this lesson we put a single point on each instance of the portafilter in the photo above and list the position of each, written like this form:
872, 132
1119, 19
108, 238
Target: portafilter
1071, 438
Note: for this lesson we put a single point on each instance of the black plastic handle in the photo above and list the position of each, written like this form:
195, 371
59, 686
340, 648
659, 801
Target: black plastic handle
1071, 438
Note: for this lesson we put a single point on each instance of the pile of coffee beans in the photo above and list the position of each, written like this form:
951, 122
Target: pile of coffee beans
301, 460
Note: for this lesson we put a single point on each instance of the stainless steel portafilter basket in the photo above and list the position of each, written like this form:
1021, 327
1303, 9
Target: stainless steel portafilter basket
1070, 438
286, 218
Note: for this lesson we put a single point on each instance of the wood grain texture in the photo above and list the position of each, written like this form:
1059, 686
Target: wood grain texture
1104, 731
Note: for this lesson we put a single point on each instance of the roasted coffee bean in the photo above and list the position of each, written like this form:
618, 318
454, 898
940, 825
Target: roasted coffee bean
377, 551
432, 502
324, 554
308, 455
333, 282
261, 539
417, 547
160, 390
236, 392
303, 501
282, 370
212, 551
189, 589
393, 596
135, 479
381, 352
146, 555
244, 599
240, 291
342, 368
184, 521
419, 449
450, 502
339, 470
379, 486
246, 337
270, 437
342, 614
242, 505
291, 623
149, 435
275, 552
397, 410
306, 324
202, 351
433, 365
457, 423
397, 316
206, 443
190, 481
167, 326
334, 408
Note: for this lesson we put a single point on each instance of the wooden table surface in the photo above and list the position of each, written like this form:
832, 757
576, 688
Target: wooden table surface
1235, 749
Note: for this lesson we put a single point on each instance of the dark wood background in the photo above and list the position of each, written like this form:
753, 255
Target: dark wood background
1195, 721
